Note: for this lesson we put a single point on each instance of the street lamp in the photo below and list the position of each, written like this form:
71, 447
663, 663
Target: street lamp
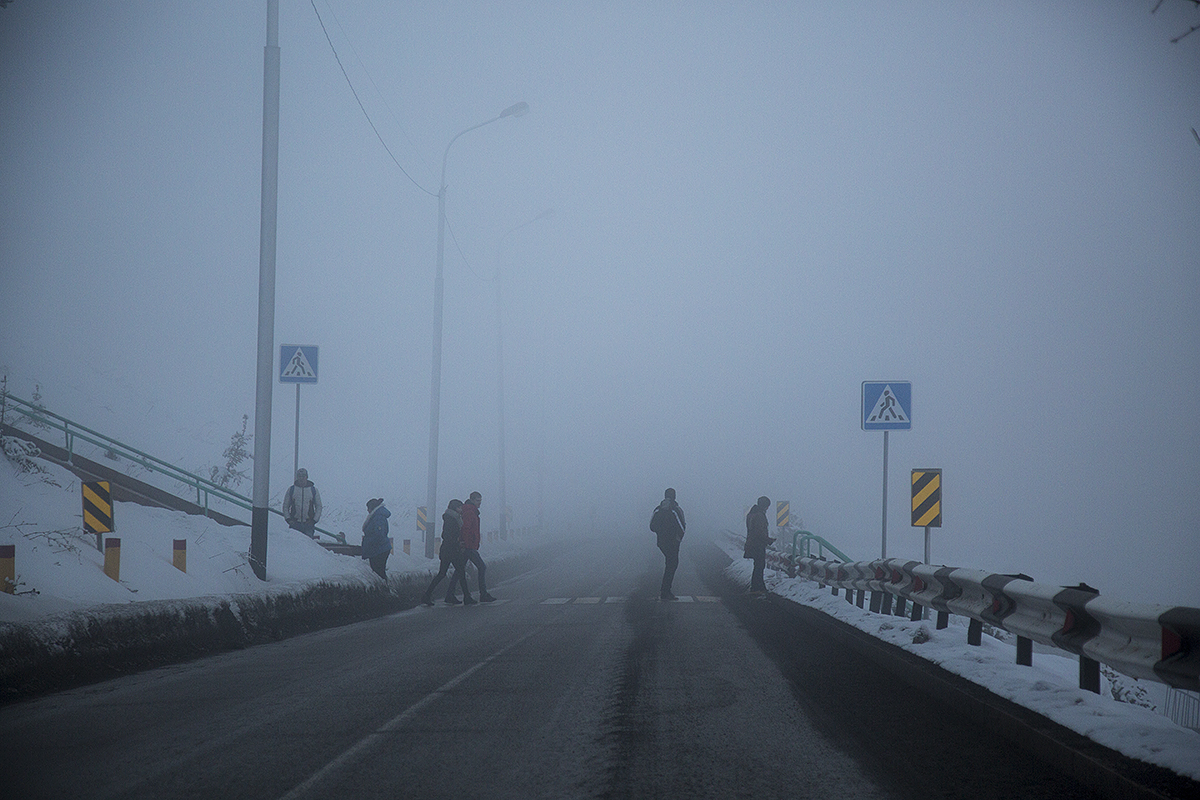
500, 364
435, 388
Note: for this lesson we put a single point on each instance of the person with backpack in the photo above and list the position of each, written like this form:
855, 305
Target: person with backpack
302, 505
376, 544
668, 524
757, 540
451, 555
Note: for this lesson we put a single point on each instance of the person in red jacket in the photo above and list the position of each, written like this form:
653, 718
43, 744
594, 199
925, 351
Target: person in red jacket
471, 541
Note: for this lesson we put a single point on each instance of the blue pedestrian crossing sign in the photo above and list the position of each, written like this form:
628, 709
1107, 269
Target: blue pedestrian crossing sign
297, 363
886, 405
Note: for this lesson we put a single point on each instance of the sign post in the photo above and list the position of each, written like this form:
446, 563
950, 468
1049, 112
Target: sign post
297, 364
927, 502
886, 406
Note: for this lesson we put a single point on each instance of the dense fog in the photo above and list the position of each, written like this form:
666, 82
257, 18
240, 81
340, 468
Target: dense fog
754, 207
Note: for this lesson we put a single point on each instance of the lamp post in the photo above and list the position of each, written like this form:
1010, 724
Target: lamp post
264, 376
435, 388
500, 363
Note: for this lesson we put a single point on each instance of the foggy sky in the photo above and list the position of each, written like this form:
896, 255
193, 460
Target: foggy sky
757, 207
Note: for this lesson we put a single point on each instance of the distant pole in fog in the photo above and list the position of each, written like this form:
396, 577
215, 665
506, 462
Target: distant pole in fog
500, 364
266, 296
435, 383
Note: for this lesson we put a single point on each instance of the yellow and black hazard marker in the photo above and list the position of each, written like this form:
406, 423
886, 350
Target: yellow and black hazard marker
97, 507
422, 519
783, 515
927, 498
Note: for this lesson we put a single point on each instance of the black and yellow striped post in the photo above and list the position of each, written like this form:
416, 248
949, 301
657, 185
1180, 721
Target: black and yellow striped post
98, 510
783, 514
112, 558
927, 502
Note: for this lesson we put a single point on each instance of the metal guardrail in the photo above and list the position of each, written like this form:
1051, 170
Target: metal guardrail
1155, 642
72, 431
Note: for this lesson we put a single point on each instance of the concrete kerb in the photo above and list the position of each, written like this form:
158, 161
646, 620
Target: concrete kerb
1112, 775
84, 647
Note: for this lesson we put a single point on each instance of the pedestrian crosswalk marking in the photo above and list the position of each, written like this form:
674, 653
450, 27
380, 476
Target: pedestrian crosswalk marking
589, 601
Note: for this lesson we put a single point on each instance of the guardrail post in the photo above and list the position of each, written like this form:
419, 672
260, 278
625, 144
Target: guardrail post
180, 555
901, 606
917, 613
1089, 674
862, 594
943, 620
975, 633
886, 608
112, 558
8, 568
1024, 651
876, 600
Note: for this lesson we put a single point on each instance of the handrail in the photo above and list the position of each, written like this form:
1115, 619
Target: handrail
72, 430
822, 545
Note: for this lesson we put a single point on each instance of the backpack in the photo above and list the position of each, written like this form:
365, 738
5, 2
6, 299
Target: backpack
659, 521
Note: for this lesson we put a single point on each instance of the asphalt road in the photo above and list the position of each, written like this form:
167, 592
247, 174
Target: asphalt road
578, 683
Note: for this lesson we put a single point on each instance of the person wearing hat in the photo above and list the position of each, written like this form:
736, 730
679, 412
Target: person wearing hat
470, 542
302, 504
376, 544
668, 524
757, 540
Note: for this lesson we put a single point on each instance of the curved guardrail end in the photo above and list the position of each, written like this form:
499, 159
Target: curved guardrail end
1180, 664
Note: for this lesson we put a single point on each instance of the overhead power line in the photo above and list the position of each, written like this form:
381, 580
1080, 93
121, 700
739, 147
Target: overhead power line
362, 107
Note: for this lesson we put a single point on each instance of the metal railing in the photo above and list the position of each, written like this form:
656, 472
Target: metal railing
1159, 643
72, 431
802, 542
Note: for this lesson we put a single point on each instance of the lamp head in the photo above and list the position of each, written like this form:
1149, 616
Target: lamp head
518, 110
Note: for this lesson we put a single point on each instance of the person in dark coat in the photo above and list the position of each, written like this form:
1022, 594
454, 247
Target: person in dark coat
376, 544
451, 555
470, 542
757, 539
668, 524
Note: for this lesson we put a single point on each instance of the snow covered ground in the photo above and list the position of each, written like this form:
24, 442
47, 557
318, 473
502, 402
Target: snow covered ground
1050, 687
59, 570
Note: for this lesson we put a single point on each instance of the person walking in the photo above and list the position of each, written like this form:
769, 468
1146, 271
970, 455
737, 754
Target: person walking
669, 526
376, 544
757, 540
471, 542
451, 555
302, 505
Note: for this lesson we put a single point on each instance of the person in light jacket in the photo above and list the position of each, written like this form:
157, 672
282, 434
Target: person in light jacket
757, 539
302, 504
376, 544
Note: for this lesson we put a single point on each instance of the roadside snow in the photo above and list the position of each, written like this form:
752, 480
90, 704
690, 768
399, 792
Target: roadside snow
59, 569
1050, 687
